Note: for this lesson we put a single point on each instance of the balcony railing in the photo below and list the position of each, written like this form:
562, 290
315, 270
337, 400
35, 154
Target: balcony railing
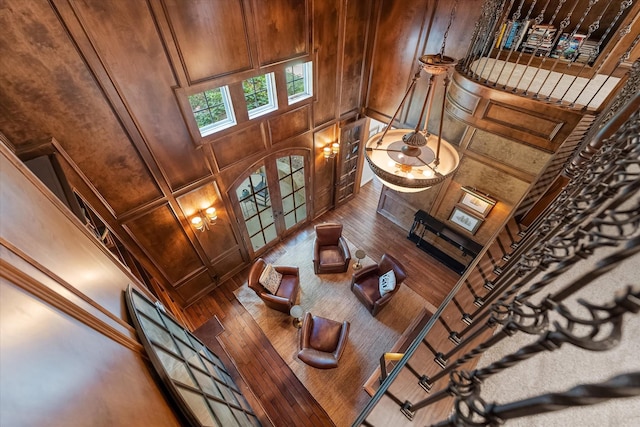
568, 52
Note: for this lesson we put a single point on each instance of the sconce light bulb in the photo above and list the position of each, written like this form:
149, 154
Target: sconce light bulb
327, 152
335, 147
197, 223
211, 214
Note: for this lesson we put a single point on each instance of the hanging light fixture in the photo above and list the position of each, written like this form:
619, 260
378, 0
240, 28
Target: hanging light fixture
412, 160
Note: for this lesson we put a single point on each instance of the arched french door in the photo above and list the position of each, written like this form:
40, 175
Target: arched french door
270, 200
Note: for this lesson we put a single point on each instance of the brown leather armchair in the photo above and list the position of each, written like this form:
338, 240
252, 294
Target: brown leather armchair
330, 250
286, 295
364, 283
322, 341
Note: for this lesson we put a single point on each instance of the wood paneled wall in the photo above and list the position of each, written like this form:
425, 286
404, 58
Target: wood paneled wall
106, 85
68, 355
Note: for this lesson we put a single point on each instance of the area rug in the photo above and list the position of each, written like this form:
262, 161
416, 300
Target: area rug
339, 391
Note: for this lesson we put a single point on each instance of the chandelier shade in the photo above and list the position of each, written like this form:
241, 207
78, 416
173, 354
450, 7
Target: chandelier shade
408, 168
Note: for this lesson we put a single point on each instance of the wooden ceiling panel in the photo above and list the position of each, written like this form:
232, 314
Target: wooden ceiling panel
211, 36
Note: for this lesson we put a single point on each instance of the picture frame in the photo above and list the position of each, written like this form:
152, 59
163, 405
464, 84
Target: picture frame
476, 201
465, 220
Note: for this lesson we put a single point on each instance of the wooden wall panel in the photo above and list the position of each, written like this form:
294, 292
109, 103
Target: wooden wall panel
541, 125
398, 34
290, 124
145, 81
195, 286
53, 94
219, 238
212, 37
165, 241
355, 35
239, 145
326, 20
324, 170
73, 358
282, 29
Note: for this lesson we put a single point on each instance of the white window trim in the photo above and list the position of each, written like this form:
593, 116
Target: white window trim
222, 124
308, 85
273, 99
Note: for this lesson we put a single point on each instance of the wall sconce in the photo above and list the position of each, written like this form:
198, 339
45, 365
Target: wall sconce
330, 150
205, 219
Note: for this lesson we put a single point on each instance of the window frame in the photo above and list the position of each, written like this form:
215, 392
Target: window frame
307, 79
228, 107
270, 82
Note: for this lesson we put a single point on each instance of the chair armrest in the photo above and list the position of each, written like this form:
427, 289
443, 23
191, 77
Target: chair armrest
344, 247
305, 332
274, 298
342, 341
365, 271
292, 271
316, 250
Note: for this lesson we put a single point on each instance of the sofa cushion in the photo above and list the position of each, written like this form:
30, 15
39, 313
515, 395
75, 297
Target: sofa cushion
387, 283
270, 279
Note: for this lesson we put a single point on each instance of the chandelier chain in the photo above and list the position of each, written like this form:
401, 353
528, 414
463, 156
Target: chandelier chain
446, 33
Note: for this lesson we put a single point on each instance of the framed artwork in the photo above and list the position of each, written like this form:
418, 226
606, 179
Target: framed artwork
476, 201
465, 220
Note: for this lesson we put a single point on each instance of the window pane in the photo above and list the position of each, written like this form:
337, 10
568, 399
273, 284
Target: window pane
270, 233
259, 94
287, 204
212, 110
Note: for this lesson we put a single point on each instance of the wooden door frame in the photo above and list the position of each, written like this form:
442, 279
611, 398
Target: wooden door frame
270, 164
364, 122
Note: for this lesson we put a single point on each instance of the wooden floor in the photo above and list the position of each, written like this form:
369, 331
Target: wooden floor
279, 397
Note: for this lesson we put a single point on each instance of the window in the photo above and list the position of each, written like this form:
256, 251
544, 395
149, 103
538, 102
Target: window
212, 110
194, 375
299, 82
260, 95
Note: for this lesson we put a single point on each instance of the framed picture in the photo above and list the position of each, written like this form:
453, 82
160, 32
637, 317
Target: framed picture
464, 219
476, 201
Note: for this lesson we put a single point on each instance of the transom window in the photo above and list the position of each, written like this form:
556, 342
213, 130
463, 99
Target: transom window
259, 92
299, 82
212, 110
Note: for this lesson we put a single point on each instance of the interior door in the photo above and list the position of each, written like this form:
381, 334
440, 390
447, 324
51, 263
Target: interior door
350, 158
270, 201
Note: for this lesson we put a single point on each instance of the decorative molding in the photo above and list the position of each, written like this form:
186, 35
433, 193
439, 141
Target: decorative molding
47, 295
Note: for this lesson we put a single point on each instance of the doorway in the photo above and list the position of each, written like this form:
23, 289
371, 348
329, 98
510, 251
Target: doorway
271, 199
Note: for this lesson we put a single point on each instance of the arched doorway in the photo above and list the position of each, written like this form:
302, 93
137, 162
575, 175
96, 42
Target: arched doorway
270, 199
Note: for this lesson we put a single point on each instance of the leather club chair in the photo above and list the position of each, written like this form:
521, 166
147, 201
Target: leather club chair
364, 283
286, 295
322, 341
330, 250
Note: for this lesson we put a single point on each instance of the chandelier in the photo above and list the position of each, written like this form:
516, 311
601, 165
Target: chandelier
412, 160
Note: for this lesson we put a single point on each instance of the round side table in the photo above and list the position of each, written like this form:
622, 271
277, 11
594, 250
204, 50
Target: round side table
360, 254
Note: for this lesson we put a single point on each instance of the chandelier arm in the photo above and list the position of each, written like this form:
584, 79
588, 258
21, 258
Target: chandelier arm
444, 99
416, 76
428, 97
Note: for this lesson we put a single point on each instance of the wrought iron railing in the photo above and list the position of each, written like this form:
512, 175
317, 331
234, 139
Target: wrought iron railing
557, 51
596, 217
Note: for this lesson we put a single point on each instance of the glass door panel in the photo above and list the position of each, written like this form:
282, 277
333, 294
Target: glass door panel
291, 177
255, 203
